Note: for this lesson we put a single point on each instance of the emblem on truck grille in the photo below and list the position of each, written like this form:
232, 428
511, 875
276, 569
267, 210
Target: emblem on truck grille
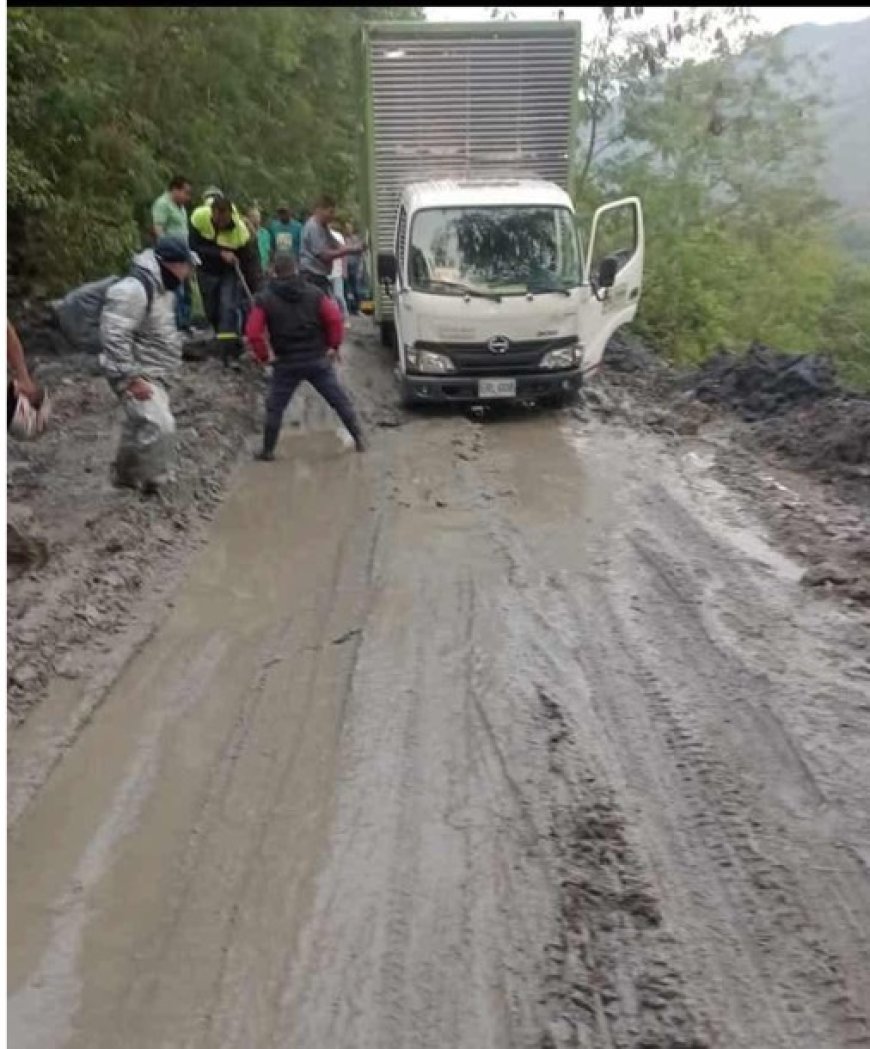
499, 344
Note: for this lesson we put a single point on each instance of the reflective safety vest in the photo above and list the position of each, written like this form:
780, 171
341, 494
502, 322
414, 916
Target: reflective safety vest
232, 239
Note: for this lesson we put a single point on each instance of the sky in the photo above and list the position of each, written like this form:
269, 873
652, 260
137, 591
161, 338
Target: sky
770, 19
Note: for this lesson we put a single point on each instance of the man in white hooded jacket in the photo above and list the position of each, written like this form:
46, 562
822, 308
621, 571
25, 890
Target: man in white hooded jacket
141, 354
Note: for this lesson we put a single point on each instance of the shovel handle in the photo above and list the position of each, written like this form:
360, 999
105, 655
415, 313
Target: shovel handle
244, 283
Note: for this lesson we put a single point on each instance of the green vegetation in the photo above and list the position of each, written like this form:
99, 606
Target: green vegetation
725, 154
106, 104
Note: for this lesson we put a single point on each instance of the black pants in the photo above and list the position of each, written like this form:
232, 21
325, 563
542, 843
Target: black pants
351, 289
321, 374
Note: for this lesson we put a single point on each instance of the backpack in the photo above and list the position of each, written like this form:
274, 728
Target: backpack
78, 313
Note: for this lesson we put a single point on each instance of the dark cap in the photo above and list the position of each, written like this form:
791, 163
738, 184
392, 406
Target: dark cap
174, 249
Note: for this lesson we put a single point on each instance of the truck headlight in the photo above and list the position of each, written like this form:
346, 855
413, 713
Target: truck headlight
428, 363
565, 357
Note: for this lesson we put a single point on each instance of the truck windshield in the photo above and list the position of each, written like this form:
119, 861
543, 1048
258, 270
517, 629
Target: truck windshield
511, 250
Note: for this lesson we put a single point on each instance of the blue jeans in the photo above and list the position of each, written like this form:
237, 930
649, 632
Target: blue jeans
321, 374
338, 294
183, 305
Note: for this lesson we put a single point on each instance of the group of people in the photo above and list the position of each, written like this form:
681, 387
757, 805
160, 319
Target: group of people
284, 236
280, 287
236, 252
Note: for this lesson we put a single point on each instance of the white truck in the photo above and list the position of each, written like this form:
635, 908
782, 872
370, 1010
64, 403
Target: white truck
469, 146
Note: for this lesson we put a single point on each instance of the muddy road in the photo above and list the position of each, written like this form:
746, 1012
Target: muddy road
512, 733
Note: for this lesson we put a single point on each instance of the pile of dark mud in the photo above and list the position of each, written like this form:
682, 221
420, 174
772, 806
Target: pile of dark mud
763, 382
833, 433
795, 406
794, 403
628, 354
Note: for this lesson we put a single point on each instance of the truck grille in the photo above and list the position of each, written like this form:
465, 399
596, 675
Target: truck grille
476, 358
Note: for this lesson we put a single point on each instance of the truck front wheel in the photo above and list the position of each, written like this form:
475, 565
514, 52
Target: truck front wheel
562, 399
407, 399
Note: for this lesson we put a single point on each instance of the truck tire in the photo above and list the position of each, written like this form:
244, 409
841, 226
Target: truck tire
406, 398
388, 335
562, 399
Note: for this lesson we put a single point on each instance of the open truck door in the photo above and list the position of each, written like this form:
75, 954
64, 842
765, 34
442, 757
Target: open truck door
612, 277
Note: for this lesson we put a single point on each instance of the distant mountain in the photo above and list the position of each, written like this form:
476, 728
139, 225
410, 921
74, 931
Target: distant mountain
844, 54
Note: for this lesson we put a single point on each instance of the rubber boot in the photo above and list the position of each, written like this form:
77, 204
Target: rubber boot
231, 353
270, 440
122, 472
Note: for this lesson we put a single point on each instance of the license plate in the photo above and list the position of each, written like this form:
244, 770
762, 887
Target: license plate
497, 388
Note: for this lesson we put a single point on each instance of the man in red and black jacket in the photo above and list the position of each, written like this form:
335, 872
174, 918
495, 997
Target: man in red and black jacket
298, 329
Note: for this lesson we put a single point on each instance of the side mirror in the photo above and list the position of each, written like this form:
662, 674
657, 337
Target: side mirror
386, 267
607, 271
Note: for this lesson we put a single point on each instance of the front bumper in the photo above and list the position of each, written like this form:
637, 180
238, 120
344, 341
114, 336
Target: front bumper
463, 389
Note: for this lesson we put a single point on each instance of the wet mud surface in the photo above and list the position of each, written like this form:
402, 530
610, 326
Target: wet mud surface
519, 731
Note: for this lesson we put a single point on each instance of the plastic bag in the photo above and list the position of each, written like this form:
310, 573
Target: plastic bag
29, 421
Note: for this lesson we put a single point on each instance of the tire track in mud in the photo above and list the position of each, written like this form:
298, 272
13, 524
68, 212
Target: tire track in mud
435, 907
43, 1010
232, 1019
231, 771
144, 991
792, 963
608, 912
606, 980
609, 981
532, 810
788, 949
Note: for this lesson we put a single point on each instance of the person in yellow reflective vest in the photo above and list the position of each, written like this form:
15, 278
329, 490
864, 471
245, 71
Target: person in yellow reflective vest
223, 241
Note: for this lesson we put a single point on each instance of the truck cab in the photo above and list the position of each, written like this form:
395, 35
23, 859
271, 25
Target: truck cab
492, 297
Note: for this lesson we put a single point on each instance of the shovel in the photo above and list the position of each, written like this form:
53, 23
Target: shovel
267, 369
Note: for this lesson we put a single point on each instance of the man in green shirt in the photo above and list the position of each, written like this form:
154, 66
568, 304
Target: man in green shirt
169, 211
286, 233
169, 219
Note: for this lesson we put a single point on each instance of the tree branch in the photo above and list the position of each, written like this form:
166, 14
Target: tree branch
612, 141
581, 181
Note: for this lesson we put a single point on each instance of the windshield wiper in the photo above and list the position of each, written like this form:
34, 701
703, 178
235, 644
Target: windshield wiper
547, 289
466, 290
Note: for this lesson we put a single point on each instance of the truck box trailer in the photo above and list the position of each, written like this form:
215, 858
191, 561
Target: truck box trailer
469, 147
